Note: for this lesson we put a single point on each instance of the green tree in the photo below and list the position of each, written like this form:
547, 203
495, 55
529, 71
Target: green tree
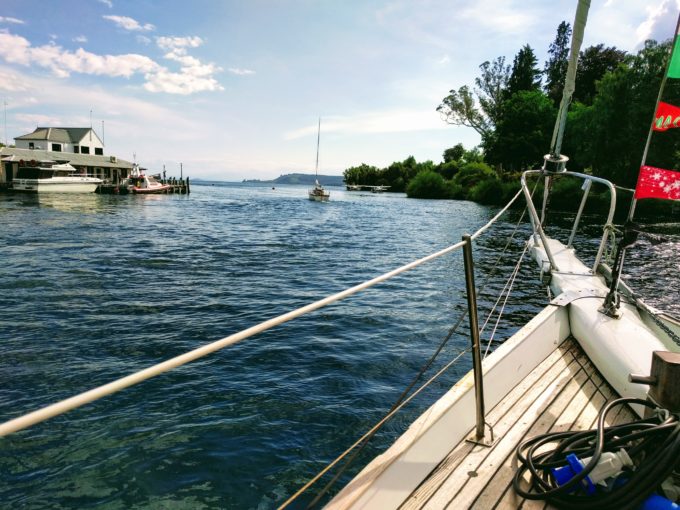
488, 191
556, 66
460, 109
525, 75
454, 153
523, 137
471, 174
449, 169
428, 184
594, 62
491, 87
460, 106
362, 174
609, 135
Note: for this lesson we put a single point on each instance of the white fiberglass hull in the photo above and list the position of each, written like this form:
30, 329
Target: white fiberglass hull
319, 198
57, 185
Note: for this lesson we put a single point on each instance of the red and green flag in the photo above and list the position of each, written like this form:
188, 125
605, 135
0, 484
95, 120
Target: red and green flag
667, 117
657, 183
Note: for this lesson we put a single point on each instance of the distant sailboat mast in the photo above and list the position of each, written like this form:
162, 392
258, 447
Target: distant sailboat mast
318, 140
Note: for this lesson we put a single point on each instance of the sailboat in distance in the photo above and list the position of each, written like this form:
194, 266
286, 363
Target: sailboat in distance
318, 193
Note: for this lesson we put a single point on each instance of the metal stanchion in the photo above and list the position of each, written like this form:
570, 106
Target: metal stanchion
478, 436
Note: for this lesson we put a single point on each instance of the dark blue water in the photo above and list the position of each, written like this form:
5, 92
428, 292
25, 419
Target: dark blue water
93, 288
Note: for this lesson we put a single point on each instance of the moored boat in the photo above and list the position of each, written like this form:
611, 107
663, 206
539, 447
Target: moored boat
318, 193
147, 184
50, 177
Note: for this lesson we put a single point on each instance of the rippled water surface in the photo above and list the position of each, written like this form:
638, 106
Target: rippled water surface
93, 288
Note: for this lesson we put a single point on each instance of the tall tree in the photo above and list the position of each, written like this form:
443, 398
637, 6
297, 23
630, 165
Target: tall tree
594, 62
523, 136
460, 106
558, 60
525, 75
491, 86
454, 153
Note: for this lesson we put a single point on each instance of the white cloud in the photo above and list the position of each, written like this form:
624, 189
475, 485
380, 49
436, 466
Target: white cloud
445, 59
395, 121
129, 23
17, 50
185, 82
5, 19
240, 72
34, 119
125, 115
178, 44
499, 17
108, 3
143, 39
11, 81
194, 76
660, 22
80, 39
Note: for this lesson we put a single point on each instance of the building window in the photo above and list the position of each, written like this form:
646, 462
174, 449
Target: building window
56, 147
99, 151
31, 145
84, 150
76, 149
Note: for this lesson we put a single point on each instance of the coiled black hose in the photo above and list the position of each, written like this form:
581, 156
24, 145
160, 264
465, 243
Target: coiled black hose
653, 444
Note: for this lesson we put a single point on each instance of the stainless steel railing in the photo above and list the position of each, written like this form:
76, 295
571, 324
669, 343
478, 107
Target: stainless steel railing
537, 223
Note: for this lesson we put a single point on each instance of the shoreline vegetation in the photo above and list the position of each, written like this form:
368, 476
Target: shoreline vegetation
513, 109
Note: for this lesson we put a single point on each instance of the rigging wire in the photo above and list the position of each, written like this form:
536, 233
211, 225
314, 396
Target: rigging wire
509, 285
510, 282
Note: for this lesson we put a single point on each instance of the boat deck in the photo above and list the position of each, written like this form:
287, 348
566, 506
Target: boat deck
564, 392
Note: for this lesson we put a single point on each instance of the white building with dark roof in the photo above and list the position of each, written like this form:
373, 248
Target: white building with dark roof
74, 140
81, 147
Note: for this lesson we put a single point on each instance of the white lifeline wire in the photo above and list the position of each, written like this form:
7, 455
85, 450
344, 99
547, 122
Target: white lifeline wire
71, 403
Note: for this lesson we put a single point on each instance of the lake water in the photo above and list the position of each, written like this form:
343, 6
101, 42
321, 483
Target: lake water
93, 288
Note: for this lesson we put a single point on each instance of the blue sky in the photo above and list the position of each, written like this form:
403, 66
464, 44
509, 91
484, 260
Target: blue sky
233, 89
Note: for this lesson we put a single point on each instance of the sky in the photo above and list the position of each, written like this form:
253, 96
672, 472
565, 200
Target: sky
234, 89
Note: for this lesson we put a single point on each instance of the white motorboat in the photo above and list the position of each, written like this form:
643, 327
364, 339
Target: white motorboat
48, 177
146, 185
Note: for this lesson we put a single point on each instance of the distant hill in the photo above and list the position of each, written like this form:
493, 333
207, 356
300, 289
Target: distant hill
326, 180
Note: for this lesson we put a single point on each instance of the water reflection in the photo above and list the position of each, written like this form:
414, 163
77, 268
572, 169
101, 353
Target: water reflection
81, 203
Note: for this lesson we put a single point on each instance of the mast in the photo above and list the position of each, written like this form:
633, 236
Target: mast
569, 81
318, 139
